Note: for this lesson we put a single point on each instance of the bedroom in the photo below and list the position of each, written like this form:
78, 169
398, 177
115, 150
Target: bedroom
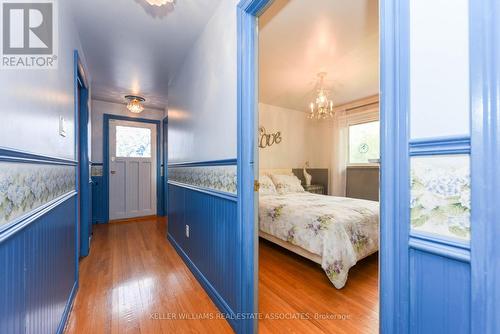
319, 149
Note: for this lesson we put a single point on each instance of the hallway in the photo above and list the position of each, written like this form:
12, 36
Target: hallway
134, 275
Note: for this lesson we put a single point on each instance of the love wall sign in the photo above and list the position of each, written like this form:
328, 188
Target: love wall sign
268, 139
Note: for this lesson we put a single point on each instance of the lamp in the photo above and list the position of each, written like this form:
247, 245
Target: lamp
135, 103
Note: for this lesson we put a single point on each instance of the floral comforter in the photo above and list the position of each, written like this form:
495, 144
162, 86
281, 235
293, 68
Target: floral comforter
341, 230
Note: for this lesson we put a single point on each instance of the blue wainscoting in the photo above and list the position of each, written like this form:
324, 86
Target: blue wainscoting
210, 251
439, 294
98, 214
37, 261
38, 242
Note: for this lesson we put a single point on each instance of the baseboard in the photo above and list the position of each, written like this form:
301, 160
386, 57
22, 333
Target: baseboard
67, 309
210, 290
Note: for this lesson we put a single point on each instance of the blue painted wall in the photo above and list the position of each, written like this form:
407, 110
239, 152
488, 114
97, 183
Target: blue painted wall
38, 262
98, 213
38, 271
210, 251
439, 294
202, 127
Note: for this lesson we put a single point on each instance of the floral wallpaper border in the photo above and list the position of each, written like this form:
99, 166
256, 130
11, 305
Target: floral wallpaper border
25, 187
220, 178
440, 195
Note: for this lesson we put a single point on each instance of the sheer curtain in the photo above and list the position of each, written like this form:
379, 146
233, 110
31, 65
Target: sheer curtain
339, 155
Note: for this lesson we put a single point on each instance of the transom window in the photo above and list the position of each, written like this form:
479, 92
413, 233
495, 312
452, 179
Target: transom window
133, 142
364, 143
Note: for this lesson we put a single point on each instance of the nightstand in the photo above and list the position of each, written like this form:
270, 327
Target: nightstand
315, 189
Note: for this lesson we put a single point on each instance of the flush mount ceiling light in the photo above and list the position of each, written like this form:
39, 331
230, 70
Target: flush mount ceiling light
135, 103
159, 3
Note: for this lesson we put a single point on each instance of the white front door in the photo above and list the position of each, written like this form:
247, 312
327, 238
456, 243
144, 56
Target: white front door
132, 168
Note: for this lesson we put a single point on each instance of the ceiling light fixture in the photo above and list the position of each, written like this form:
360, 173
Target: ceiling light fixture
135, 103
322, 107
159, 3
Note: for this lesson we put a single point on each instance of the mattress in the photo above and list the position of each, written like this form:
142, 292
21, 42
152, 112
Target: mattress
340, 230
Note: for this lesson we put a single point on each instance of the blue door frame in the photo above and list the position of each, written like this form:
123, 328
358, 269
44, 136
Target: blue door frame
396, 148
82, 121
485, 159
105, 174
164, 123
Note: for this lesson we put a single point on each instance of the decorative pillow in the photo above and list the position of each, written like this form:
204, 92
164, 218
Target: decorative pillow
287, 183
266, 185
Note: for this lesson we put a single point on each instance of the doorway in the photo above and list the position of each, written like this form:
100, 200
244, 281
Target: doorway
318, 164
417, 259
132, 167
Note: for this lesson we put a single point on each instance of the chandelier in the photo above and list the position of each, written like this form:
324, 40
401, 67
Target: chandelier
159, 3
135, 103
322, 107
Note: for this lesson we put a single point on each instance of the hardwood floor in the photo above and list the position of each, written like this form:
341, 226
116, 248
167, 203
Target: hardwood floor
133, 275
291, 285
133, 281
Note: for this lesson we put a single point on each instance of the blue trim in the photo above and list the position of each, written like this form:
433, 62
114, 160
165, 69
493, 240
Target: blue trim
164, 123
443, 240
82, 120
13, 155
484, 31
394, 205
221, 194
20, 223
76, 60
225, 162
441, 249
67, 309
247, 48
212, 292
439, 146
105, 169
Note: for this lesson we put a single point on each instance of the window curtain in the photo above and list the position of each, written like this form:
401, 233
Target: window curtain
340, 138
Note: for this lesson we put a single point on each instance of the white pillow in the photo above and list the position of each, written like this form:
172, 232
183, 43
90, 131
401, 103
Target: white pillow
286, 184
266, 185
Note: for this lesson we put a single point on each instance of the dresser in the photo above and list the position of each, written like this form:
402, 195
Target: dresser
315, 188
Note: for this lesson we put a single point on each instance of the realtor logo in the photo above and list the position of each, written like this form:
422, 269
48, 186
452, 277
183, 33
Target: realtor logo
29, 34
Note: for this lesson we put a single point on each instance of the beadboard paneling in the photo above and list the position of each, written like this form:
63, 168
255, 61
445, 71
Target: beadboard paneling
38, 271
439, 294
211, 247
98, 214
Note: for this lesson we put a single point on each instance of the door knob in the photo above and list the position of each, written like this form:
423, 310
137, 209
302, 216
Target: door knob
113, 172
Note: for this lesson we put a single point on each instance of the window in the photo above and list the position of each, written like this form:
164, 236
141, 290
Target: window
364, 142
133, 142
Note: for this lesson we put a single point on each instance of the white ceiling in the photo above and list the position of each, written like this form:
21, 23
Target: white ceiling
299, 38
134, 48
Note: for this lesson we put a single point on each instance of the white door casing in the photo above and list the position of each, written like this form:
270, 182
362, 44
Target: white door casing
132, 168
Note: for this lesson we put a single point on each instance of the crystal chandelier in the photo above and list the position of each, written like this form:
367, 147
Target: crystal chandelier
135, 103
159, 3
322, 107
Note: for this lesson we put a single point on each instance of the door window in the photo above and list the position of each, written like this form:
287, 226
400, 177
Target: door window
133, 142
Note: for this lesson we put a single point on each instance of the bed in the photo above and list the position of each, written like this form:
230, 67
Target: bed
334, 232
